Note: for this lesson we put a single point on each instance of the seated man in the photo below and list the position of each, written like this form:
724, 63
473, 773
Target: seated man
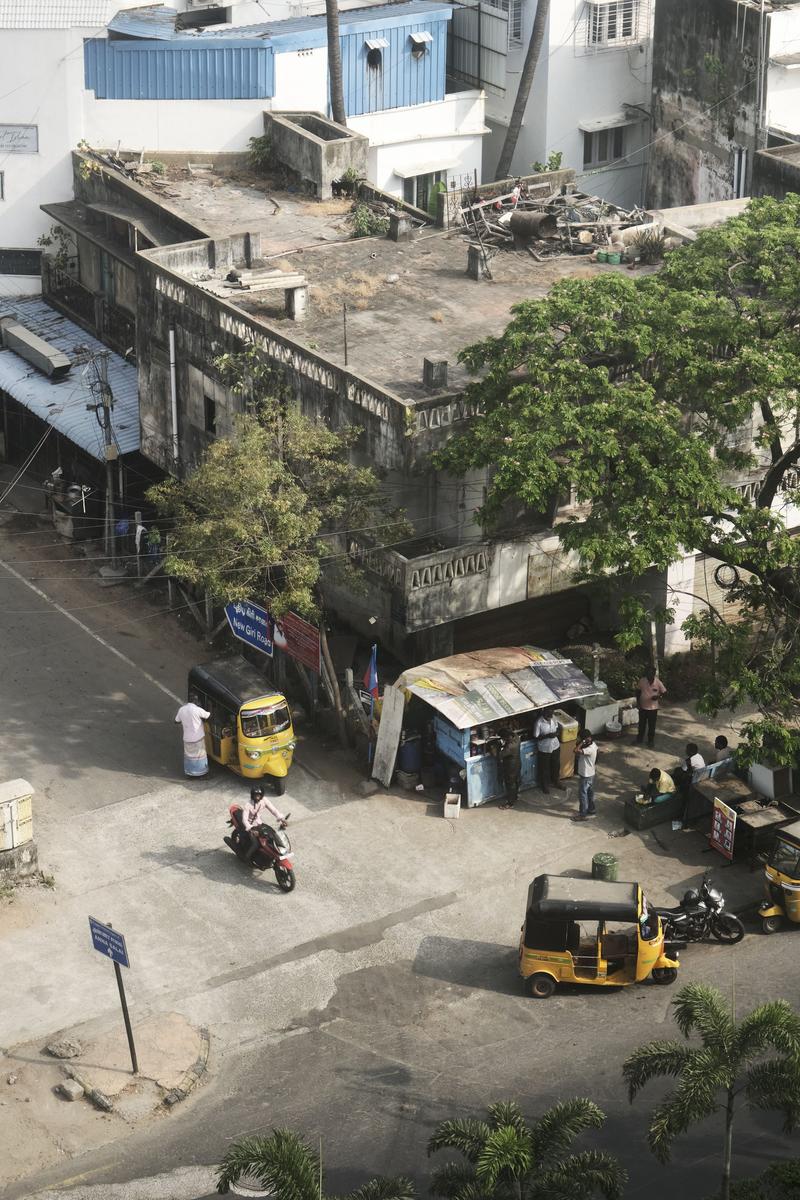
693, 761
660, 786
721, 748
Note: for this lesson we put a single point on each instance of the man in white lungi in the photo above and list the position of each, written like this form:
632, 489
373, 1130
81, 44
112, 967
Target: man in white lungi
191, 717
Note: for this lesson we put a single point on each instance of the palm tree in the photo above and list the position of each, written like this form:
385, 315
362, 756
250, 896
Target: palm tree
335, 62
524, 89
507, 1159
286, 1166
756, 1060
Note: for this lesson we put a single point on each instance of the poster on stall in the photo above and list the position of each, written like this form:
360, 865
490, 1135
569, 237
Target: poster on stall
723, 828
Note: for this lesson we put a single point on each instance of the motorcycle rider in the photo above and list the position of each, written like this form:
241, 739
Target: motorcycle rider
253, 816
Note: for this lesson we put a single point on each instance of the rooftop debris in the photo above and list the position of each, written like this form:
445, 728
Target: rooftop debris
548, 226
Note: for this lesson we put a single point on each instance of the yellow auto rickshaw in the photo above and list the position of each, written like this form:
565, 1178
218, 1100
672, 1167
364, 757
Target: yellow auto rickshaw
250, 728
590, 931
782, 880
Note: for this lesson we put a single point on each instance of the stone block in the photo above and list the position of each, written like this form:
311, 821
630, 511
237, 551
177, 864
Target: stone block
367, 787
64, 1048
70, 1089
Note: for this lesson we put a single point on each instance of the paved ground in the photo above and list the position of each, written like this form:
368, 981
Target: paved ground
383, 990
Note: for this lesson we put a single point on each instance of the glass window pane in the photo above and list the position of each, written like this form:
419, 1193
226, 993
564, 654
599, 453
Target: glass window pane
618, 142
602, 146
587, 149
612, 22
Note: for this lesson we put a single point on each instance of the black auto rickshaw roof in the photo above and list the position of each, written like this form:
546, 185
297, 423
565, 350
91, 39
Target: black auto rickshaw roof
558, 896
792, 831
232, 681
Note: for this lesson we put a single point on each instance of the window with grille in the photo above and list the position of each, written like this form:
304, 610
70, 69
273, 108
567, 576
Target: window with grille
603, 146
514, 10
613, 23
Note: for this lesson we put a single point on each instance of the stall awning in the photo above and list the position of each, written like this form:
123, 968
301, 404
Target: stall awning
487, 685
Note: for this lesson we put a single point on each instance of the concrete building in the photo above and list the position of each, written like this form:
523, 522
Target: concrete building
165, 77
726, 85
590, 99
151, 270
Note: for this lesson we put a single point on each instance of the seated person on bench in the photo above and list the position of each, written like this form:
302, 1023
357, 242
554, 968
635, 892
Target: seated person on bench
660, 786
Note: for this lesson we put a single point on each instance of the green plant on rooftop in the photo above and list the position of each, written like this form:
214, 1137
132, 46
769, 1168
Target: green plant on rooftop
669, 404
367, 223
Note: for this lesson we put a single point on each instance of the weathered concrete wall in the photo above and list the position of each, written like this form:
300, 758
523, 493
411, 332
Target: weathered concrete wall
97, 185
705, 58
316, 149
776, 172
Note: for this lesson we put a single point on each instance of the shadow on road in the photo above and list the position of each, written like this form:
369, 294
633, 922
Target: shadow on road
218, 864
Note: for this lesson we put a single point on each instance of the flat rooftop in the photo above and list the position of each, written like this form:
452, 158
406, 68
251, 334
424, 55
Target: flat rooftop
405, 300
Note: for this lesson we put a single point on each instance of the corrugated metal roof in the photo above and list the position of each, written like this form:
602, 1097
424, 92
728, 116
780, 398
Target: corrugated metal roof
159, 22
63, 403
54, 14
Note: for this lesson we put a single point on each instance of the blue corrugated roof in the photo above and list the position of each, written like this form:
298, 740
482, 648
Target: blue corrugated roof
158, 22
63, 403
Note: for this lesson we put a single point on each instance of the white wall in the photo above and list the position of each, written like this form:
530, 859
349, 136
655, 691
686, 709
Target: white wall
571, 86
783, 86
424, 138
301, 80
190, 125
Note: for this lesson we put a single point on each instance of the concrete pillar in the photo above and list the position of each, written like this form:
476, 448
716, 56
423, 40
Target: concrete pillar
475, 262
434, 373
400, 227
297, 302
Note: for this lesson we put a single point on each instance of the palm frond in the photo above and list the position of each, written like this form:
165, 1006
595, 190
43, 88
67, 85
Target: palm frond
651, 1061
383, 1188
506, 1156
283, 1163
453, 1181
581, 1176
775, 1086
506, 1112
698, 1006
466, 1136
556, 1130
671, 1118
774, 1025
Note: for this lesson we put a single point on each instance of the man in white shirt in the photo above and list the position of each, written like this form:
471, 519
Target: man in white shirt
548, 755
191, 717
585, 760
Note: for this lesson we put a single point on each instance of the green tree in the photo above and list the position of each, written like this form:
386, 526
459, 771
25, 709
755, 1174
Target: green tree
653, 398
755, 1062
505, 1158
289, 1169
267, 509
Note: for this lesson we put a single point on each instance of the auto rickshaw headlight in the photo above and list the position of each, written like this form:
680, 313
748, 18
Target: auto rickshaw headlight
253, 753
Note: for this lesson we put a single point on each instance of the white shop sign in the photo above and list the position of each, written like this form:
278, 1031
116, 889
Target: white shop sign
19, 139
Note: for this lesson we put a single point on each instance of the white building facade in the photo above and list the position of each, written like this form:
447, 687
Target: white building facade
591, 91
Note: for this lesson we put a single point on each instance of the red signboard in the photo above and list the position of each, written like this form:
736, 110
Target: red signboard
723, 828
298, 639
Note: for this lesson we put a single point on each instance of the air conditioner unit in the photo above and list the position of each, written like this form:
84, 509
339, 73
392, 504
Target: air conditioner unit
35, 350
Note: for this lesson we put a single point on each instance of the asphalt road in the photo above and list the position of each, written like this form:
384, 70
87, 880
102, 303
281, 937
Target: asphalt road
376, 1000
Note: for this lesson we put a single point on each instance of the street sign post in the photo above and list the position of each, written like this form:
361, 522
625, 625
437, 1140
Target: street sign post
111, 944
251, 624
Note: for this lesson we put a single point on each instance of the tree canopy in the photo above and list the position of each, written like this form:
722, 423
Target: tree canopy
258, 518
655, 398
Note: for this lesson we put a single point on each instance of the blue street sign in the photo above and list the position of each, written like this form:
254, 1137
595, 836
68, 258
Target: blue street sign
251, 624
108, 942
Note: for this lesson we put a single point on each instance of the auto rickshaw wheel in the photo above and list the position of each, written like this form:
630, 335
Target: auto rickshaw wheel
771, 924
279, 783
541, 985
665, 974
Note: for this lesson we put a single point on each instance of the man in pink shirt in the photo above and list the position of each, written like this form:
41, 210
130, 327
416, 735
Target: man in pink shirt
649, 691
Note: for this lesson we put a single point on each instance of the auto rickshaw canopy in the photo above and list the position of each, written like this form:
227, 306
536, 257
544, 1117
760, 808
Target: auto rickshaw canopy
232, 681
554, 897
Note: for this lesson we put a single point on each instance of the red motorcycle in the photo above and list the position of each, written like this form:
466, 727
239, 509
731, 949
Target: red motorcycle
274, 848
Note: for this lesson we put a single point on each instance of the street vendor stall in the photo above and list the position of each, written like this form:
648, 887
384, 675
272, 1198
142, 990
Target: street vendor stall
476, 696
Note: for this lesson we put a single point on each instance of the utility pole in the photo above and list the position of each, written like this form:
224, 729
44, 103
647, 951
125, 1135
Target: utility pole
107, 399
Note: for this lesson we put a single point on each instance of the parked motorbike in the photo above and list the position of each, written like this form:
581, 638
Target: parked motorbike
700, 913
274, 848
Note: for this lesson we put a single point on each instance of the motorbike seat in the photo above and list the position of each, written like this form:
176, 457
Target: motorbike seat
678, 911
